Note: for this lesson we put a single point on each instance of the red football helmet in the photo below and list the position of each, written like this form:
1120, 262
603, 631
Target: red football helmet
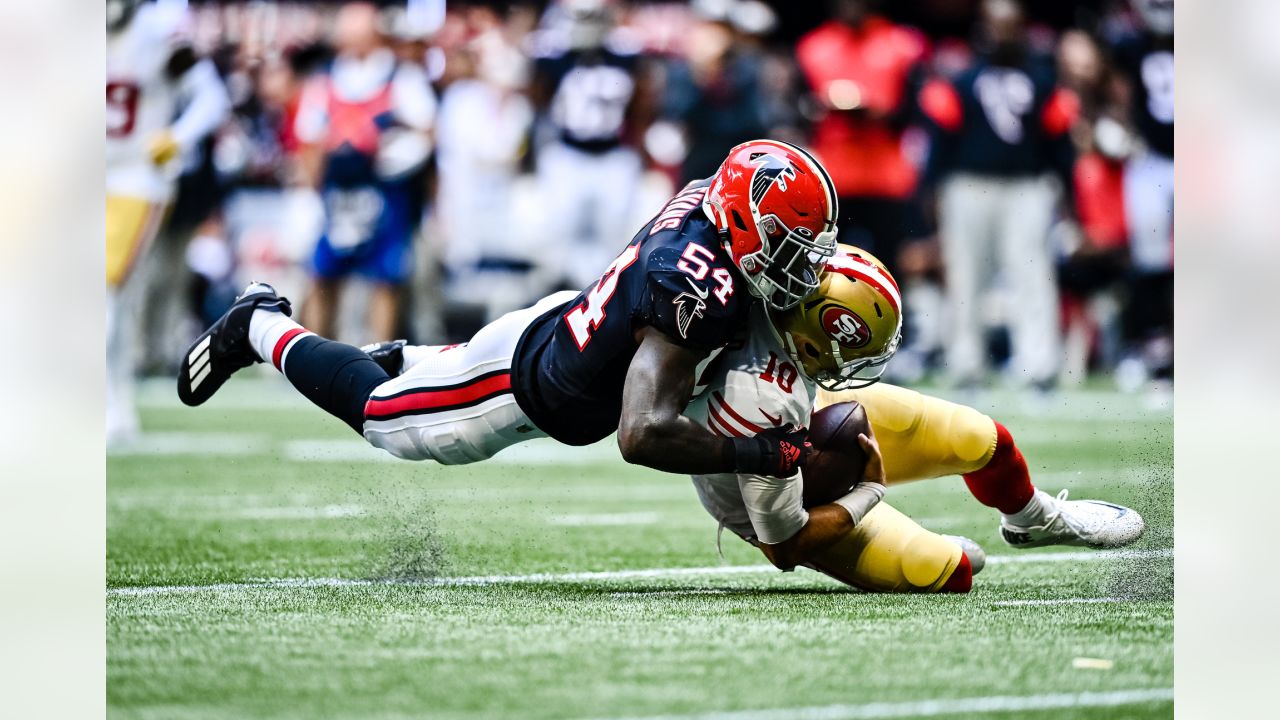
775, 208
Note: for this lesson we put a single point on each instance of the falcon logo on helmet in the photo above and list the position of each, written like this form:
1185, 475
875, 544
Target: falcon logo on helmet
846, 333
770, 170
775, 209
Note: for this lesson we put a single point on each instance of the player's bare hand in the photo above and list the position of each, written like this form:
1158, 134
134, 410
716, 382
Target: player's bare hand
874, 471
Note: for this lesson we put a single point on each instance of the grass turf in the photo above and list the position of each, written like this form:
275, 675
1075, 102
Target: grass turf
258, 486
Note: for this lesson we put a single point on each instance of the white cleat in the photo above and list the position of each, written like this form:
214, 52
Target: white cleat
1084, 523
977, 556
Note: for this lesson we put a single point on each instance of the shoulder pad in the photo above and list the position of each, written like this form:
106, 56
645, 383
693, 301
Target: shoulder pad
692, 296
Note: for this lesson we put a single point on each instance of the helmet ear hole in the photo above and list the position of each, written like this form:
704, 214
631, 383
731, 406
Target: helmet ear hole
737, 220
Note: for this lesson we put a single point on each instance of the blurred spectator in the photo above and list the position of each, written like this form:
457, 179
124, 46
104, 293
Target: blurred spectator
1095, 258
539, 176
484, 124
1000, 128
715, 93
366, 124
861, 68
162, 101
589, 83
1145, 58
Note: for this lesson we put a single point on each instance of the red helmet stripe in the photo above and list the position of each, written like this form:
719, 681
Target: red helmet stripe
878, 281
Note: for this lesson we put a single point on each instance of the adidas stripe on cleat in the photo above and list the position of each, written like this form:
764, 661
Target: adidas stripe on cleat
224, 348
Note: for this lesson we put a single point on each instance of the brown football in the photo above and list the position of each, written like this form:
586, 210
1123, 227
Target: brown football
837, 461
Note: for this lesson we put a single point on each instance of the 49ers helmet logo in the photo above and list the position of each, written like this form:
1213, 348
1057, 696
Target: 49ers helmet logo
845, 327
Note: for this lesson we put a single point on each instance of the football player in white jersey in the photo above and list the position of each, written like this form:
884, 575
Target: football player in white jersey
152, 72
842, 336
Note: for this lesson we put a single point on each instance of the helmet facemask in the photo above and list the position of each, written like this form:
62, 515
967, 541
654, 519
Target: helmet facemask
784, 270
848, 374
844, 335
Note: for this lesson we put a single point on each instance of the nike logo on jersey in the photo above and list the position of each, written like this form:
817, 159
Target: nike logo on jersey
777, 421
701, 292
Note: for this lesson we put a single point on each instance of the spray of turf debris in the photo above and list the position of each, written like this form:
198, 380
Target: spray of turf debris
406, 545
1149, 578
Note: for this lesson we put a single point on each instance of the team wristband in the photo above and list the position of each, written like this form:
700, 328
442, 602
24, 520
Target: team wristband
864, 496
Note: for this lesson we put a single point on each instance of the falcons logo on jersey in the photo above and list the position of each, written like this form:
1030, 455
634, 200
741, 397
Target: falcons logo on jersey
770, 170
689, 305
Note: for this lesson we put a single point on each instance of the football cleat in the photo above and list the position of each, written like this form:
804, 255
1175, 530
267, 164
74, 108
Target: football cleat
389, 355
977, 556
224, 348
1086, 523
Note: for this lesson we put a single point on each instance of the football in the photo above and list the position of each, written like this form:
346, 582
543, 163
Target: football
837, 461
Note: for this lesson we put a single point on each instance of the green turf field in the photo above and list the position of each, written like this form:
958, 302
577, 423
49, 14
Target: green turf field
263, 562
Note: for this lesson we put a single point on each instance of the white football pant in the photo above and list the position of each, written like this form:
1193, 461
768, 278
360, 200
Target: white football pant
453, 403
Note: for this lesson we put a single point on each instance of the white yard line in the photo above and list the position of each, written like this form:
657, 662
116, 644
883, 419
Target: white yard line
1079, 556
194, 443
605, 519
583, 577
301, 512
1063, 601
942, 706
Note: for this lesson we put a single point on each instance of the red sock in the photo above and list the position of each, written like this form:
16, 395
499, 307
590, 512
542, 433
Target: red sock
1004, 482
961, 580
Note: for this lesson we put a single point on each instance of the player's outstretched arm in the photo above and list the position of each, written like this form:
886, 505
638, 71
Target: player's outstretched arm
653, 430
831, 522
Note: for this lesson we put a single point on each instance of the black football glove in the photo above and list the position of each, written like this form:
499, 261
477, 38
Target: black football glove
776, 452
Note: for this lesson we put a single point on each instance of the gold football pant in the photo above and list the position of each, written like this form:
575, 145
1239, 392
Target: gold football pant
132, 223
888, 552
920, 437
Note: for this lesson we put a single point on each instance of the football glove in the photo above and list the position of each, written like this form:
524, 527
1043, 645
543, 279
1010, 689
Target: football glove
162, 147
777, 452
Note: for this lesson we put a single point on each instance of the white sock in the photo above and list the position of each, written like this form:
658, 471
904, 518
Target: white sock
272, 333
1035, 511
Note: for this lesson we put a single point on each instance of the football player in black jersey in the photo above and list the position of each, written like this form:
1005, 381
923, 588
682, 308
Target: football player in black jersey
623, 354
592, 87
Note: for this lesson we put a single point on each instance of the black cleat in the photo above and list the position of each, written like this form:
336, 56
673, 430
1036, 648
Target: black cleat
389, 355
224, 348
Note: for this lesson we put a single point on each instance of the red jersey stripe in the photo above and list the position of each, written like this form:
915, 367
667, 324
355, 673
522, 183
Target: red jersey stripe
721, 421
278, 352
733, 414
427, 399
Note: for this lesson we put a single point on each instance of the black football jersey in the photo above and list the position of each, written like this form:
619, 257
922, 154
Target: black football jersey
571, 363
1001, 132
592, 90
1149, 68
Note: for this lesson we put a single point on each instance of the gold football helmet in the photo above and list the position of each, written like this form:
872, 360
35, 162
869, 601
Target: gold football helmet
843, 334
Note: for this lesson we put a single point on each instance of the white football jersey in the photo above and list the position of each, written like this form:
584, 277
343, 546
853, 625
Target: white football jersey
748, 390
142, 99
